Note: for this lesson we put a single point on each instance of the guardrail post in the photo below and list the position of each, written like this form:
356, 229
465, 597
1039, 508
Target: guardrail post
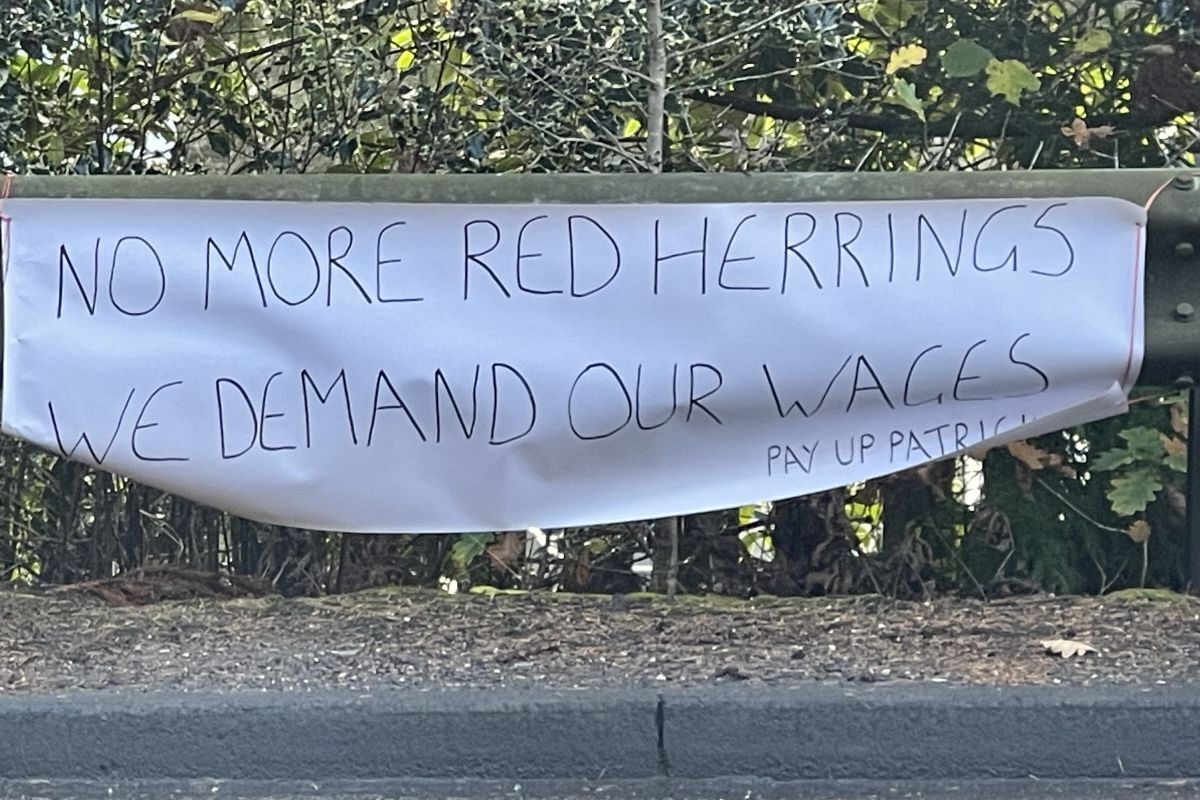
1193, 488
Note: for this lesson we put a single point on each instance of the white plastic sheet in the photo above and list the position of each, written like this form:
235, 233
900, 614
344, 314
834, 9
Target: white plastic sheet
408, 367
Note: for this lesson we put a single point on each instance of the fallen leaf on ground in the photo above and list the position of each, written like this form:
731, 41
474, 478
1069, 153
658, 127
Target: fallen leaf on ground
1067, 648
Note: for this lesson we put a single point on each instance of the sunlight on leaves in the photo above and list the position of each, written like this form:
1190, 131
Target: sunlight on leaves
1093, 42
910, 55
1010, 79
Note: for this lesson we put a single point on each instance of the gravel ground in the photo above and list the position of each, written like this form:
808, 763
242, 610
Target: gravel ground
64, 640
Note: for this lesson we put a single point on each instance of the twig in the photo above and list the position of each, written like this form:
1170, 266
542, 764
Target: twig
1079, 510
870, 151
757, 24
937, 160
958, 557
1145, 560
1003, 564
1036, 155
673, 527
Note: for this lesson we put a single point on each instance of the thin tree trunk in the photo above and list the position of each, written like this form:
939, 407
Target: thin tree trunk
664, 556
673, 525
656, 69
656, 103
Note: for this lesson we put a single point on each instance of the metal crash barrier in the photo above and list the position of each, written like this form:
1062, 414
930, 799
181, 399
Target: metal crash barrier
1171, 197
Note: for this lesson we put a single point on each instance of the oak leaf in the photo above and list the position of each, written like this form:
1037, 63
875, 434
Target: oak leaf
1131, 493
1035, 458
909, 55
1030, 455
906, 95
1010, 78
1179, 418
1173, 446
1094, 41
1083, 135
508, 548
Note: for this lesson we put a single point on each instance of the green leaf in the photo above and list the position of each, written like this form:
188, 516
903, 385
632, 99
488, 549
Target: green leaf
1111, 459
121, 45
1130, 494
1010, 78
906, 95
965, 58
1093, 42
754, 513
1176, 450
200, 16
596, 546
893, 14
219, 143
1145, 445
469, 547
56, 152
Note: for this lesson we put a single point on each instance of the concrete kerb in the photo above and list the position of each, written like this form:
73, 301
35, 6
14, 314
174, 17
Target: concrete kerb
802, 732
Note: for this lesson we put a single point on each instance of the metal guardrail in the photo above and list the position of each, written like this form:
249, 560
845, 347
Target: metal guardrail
1172, 287
1173, 242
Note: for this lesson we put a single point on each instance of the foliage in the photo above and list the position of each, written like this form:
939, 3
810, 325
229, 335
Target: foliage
502, 86
1142, 465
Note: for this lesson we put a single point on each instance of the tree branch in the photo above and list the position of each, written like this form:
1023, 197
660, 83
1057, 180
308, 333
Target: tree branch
167, 81
980, 127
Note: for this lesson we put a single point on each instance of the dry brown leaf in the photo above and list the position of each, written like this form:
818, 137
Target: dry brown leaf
1173, 446
1082, 135
1178, 419
508, 548
1067, 648
1036, 458
1138, 530
1032, 457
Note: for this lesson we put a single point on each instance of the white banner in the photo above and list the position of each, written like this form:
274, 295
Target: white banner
411, 367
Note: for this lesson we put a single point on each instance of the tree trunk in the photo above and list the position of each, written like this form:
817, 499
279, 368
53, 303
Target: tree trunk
814, 544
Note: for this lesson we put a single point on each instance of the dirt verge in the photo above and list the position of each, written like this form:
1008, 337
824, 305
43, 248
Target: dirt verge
53, 642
